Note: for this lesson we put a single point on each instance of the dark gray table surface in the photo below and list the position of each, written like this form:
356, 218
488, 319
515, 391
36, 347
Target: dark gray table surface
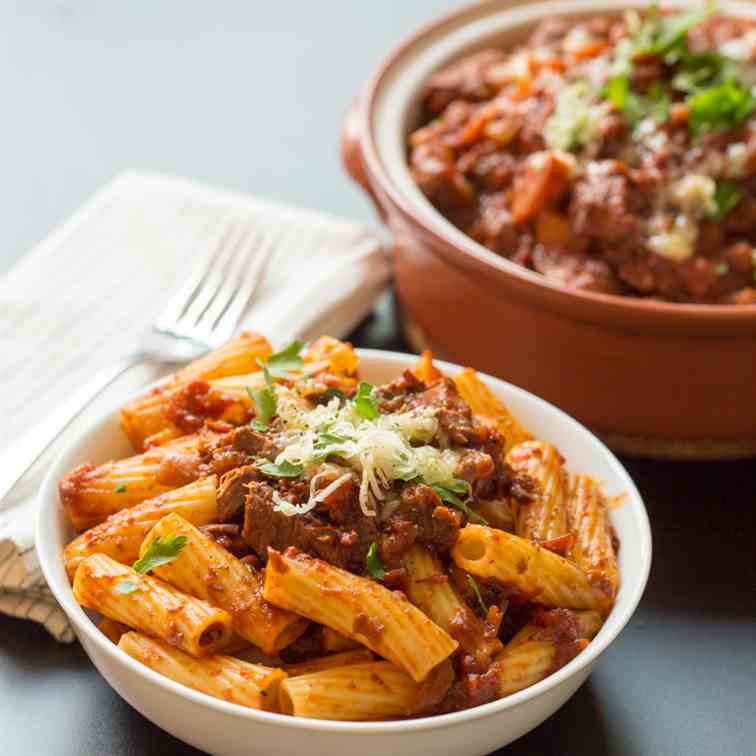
250, 95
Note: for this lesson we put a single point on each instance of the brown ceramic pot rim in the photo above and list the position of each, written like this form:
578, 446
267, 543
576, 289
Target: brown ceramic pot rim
463, 252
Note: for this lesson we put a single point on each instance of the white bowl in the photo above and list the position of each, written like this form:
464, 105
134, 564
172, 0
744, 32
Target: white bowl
224, 728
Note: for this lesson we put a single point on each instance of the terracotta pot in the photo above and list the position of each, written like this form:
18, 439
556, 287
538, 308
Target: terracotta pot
653, 378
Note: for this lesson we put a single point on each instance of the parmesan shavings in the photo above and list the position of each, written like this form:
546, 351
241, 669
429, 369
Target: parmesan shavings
381, 450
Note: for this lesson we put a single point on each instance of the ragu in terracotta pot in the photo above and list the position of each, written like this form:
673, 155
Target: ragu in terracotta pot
655, 378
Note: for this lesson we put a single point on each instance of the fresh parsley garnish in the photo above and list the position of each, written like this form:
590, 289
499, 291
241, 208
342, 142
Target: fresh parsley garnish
266, 406
722, 269
125, 587
161, 551
121, 488
283, 470
636, 107
720, 107
280, 364
373, 562
663, 35
476, 590
366, 401
727, 197
696, 71
330, 439
450, 492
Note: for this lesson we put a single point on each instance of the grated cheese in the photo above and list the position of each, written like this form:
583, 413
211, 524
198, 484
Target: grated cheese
694, 194
677, 244
391, 447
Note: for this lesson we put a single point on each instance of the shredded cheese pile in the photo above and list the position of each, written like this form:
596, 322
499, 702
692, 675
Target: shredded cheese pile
390, 447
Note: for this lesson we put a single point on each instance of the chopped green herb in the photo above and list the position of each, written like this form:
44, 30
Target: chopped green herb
459, 486
722, 269
121, 488
664, 34
720, 107
448, 494
366, 401
373, 562
330, 439
125, 587
280, 364
698, 71
635, 107
160, 551
265, 402
617, 91
284, 470
259, 425
727, 197
476, 590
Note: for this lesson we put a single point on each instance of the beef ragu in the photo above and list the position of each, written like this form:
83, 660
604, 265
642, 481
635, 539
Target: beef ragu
462, 563
616, 155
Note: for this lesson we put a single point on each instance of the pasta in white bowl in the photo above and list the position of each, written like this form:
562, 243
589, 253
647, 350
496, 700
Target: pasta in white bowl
479, 626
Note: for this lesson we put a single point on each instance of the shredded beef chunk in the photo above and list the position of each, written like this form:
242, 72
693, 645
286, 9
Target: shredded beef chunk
253, 443
452, 412
229, 536
396, 395
604, 205
264, 527
420, 517
233, 490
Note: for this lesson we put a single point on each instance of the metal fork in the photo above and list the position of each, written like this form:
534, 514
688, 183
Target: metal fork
202, 314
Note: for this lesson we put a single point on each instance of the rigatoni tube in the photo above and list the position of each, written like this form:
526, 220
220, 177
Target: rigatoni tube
589, 519
359, 692
121, 535
91, 493
530, 570
544, 516
383, 620
150, 605
220, 676
206, 570
149, 416
429, 590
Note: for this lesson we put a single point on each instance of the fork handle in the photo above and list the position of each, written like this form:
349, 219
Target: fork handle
23, 453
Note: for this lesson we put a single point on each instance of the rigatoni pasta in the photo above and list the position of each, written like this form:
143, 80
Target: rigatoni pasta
122, 534
344, 659
149, 415
483, 403
543, 515
360, 692
220, 676
429, 589
147, 604
534, 572
206, 570
364, 610
327, 548
589, 519
91, 493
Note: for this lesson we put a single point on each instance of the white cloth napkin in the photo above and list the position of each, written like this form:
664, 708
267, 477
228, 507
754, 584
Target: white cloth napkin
84, 294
